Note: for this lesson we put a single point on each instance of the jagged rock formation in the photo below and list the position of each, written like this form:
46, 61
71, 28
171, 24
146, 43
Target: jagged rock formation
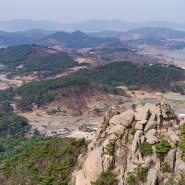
116, 146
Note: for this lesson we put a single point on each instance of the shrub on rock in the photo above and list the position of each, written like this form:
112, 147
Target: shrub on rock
162, 148
145, 148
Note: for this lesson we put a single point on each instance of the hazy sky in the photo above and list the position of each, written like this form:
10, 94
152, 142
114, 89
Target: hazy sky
66, 11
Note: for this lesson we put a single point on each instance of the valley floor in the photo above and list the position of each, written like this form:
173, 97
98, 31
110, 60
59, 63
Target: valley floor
50, 123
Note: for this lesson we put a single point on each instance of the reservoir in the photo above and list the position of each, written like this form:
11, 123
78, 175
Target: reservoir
175, 54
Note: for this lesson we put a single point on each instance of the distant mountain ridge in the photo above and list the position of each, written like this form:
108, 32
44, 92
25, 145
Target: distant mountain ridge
74, 40
22, 37
145, 32
118, 25
149, 32
79, 40
86, 26
24, 25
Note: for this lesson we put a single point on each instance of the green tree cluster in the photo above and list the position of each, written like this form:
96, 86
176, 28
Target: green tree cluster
111, 147
182, 144
138, 176
165, 167
47, 162
134, 75
42, 92
10, 147
46, 66
11, 124
145, 148
13, 56
33, 58
104, 77
106, 178
162, 148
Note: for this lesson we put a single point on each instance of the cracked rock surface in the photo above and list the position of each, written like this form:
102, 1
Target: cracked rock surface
116, 147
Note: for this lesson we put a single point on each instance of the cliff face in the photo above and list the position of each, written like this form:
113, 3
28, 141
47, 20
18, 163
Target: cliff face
142, 139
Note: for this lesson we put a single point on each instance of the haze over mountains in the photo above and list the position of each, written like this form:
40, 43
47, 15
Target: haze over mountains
78, 39
86, 26
92, 92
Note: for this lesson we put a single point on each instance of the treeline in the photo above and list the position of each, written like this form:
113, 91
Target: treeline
46, 66
157, 76
105, 78
10, 147
12, 128
13, 56
53, 62
26, 59
42, 92
11, 124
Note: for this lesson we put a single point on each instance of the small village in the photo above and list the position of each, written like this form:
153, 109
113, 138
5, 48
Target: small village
87, 130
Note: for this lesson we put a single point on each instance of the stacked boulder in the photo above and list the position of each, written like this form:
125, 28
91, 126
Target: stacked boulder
116, 146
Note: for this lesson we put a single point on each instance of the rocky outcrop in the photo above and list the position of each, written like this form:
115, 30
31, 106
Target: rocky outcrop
125, 119
152, 123
151, 136
173, 137
116, 146
93, 165
152, 177
171, 158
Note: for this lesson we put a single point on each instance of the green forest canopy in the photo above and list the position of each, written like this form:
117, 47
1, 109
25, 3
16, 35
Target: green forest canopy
11, 124
128, 73
29, 56
157, 76
47, 162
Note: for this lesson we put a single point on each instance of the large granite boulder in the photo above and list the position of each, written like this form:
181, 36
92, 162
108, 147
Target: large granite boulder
152, 108
151, 124
151, 137
171, 157
142, 113
173, 137
124, 119
92, 167
152, 178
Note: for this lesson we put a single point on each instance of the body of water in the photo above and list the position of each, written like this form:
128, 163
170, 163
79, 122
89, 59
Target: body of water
175, 54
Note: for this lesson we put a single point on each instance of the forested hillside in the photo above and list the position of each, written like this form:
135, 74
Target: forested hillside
13, 56
37, 159
48, 162
12, 128
157, 76
75, 40
11, 124
43, 91
46, 66
8, 39
26, 59
104, 78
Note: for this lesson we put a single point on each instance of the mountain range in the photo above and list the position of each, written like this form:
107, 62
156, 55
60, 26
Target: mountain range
78, 39
86, 26
63, 39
